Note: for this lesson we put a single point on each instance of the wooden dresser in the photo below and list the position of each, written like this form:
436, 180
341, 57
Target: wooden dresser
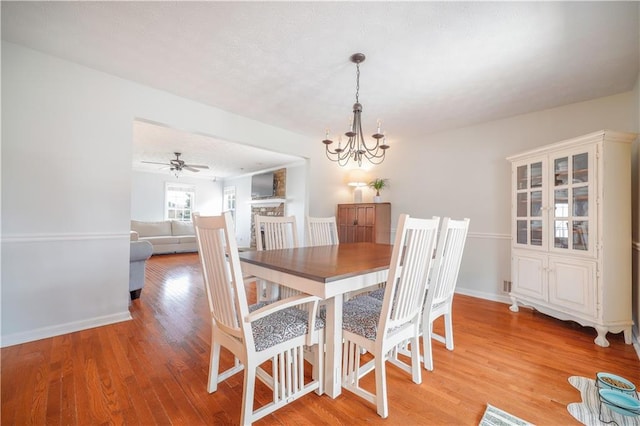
364, 222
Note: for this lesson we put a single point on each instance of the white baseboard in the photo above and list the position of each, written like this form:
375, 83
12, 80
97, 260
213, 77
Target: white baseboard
482, 295
45, 332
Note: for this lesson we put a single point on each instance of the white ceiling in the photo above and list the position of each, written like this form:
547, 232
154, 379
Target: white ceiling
430, 66
158, 143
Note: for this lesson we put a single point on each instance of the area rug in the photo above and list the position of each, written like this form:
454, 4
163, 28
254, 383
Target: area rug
496, 417
588, 413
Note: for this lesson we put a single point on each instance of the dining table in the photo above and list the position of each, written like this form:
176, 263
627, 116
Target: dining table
328, 272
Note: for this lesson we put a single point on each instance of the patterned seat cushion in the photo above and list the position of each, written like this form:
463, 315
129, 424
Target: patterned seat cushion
303, 315
360, 315
257, 306
377, 294
280, 326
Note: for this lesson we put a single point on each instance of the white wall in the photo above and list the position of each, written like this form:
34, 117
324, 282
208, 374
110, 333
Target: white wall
296, 197
147, 195
67, 182
65, 227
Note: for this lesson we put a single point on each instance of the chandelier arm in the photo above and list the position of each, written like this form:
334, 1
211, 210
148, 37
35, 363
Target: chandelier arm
379, 153
375, 152
376, 160
339, 156
364, 143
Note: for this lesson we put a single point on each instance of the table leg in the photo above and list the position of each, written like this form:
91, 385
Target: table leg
333, 360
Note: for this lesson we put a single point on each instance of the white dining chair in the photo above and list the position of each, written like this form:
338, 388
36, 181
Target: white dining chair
276, 332
444, 276
380, 326
274, 232
322, 231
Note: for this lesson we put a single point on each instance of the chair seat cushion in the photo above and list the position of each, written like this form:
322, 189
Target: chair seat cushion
377, 294
360, 315
280, 326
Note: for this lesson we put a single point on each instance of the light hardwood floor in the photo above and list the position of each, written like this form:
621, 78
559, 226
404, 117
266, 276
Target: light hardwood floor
153, 369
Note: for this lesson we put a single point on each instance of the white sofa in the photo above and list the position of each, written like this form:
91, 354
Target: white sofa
167, 236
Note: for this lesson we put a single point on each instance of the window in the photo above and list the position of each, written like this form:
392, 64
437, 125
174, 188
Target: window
229, 201
179, 201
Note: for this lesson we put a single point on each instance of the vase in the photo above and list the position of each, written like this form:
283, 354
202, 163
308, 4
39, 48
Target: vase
377, 199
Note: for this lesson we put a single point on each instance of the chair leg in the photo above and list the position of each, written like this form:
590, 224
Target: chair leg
416, 374
246, 418
448, 331
382, 405
318, 368
214, 365
426, 342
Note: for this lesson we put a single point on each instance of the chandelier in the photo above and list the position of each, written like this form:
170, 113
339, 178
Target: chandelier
356, 147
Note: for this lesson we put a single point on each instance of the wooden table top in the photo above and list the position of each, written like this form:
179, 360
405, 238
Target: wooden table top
324, 263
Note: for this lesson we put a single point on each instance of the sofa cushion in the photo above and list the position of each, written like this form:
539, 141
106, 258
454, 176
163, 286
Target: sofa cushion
151, 229
165, 239
186, 239
182, 228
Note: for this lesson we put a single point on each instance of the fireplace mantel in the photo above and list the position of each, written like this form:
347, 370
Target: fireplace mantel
268, 201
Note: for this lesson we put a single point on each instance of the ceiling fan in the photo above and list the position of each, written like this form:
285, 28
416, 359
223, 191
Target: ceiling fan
177, 165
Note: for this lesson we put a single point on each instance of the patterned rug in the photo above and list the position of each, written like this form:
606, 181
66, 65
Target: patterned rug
587, 412
496, 417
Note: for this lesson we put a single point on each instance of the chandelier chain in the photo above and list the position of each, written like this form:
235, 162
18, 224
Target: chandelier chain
357, 82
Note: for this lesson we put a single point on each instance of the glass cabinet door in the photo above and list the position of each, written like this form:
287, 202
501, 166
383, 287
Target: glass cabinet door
529, 204
571, 202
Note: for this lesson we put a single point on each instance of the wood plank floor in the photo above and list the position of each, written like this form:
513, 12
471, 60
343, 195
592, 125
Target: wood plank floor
153, 369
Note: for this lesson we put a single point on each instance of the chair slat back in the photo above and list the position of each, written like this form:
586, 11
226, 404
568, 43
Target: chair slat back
218, 252
411, 263
322, 231
276, 232
448, 258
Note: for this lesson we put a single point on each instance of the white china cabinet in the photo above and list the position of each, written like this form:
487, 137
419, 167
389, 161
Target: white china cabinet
571, 231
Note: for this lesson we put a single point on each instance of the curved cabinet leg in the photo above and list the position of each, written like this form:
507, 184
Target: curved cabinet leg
627, 335
514, 305
601, 340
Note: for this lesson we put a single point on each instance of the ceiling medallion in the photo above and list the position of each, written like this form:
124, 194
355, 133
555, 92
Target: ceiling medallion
356, 147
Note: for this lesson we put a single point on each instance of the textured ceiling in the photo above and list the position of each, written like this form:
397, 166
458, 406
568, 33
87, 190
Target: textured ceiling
430, 66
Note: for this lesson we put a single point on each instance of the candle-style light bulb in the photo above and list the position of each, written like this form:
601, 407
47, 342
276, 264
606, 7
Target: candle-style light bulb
379, 125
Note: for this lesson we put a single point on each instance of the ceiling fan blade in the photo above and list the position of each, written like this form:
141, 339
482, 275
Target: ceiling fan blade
191, 169
154, 162
197, 166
